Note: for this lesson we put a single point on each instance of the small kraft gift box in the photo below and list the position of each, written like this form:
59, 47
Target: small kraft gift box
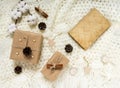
26, 46
54, 66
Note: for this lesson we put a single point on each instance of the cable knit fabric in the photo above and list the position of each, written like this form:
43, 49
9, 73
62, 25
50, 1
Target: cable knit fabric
98, 67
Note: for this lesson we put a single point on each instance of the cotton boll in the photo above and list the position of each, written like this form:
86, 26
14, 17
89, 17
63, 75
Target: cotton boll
12, 27
16, 14
32, 20
34, 17
29, 18
30, 23
22, 3
13, 12
19, 14
23, 8
26, 7
13, 15
19, 5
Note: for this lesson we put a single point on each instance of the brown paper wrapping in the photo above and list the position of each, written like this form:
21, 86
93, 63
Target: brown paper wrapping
89, 29
22, 39
52, 75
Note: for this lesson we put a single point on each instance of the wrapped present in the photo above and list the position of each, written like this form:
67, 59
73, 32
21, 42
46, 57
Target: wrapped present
26, 46
54, 66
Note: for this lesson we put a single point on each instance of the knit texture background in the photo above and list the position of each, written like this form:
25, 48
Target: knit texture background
98, 67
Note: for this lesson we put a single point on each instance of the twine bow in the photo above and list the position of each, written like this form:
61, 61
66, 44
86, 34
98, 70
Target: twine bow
54, 66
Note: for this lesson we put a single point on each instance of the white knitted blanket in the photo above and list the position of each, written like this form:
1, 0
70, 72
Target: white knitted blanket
98, 67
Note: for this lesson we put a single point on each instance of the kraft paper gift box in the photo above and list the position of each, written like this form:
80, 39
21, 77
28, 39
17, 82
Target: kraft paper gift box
54, 66
89, 29
26, 46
